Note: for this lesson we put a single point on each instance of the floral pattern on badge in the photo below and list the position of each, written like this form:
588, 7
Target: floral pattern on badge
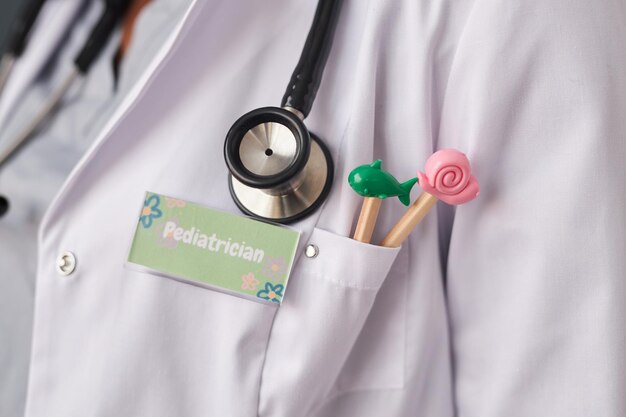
249, 282
150, 211
275, 268
163, 239
174, 202
271, 292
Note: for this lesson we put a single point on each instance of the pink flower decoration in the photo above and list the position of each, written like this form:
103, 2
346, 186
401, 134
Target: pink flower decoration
167, 241
274, 268
249, 282
449, 177
173, 202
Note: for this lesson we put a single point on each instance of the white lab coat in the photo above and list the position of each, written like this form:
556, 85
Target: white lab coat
510, 305
34, 176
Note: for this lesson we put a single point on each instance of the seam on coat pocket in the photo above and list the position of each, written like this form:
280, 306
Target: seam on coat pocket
347, 262
377, 359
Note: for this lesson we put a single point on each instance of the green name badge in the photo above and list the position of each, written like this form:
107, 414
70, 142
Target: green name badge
210, 248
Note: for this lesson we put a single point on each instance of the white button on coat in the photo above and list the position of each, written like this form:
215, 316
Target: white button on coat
66, 263
532, 319
311, 251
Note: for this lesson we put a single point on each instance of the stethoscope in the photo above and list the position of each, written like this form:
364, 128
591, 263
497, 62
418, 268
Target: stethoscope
279, 171
113, 11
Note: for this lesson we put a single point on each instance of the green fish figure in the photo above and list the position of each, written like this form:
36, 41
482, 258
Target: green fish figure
371, 181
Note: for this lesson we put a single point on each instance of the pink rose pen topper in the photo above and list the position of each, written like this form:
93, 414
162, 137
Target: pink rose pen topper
448, 178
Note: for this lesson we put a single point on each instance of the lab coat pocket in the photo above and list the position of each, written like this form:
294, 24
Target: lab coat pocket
311, 351
208, 347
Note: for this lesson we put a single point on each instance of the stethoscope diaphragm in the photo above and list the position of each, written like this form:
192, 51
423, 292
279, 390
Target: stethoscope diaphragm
278, 170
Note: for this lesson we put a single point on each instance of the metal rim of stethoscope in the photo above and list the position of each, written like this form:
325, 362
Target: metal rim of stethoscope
279, 171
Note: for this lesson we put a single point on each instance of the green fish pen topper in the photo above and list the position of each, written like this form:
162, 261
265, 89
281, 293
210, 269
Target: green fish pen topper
374, 184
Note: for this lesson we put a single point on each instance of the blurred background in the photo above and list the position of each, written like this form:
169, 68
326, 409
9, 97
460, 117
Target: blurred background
8, 9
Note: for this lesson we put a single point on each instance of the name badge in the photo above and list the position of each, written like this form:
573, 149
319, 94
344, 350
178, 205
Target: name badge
210, 248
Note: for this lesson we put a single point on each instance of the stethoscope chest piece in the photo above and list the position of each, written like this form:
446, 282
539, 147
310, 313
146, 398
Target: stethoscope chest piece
278, 170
